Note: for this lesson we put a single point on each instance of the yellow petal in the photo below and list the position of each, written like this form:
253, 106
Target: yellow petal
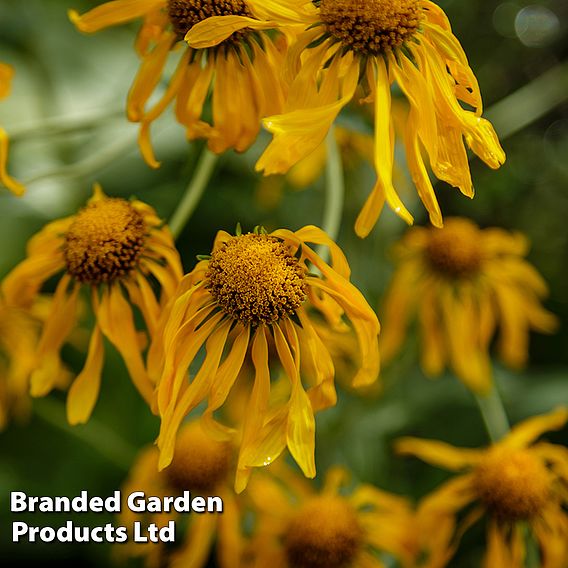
84, 391
112, 14
438, 453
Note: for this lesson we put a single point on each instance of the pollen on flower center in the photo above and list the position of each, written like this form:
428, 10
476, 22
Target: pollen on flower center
104, 242
371, 26
514, 484
324, 532
200, 463
256, 279
454, 251
184, 14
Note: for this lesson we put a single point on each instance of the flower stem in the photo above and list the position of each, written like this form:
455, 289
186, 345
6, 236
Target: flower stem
493, 414
60, 125
101, 438
335, 191
194, 191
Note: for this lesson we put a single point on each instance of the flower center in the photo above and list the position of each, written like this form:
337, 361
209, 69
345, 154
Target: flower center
256, 279
324, 532
200, 463
184, 14
371, 26
454, 250
514, 484
104, 242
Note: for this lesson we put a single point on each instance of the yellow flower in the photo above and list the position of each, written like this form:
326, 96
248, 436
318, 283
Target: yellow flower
377, 43
517, 483
341, 526
243, 72
114, 249
461, 283
255, 292
19, 337
14, 186
202, 466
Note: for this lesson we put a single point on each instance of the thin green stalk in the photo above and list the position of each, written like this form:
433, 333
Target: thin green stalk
335, 191
55, 126
89, 165
493, 414
194, 191
101, 438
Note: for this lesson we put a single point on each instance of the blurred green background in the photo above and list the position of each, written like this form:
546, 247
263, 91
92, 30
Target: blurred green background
518, 51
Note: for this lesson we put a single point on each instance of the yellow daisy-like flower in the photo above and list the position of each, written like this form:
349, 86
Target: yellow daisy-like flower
376, 42
340, 527
461, 283
255, 293
6, 73
18, 342
202, 466
117, 250
517, 483
243, 72
19, 337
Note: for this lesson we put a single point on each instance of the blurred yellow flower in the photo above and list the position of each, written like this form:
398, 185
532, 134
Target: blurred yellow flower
14, 186
517, 483
204, 467
19, 337
115, 249
243, 72
461, 283
340, 526
255, 292
377, 43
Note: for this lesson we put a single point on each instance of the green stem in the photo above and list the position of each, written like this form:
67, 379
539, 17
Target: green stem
493, 414
531, 102
101, 438
55, 126
335, 191
194, 191
89, 165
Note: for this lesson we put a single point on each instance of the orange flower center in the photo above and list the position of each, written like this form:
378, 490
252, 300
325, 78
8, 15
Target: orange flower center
454, 251
104, 242
371, 26
324, 532
514, 484
184, 14
200, 463
256, 279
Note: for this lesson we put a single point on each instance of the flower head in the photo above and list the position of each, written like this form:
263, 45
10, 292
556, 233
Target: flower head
242, 71
461, 283
342, 525
376, 43
14, 186
114, 249
201, 465
516, 482
255, 296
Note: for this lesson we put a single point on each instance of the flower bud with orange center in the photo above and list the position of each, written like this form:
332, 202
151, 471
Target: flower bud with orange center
371, 27
454, 251
104, 242
256, 279
200, 463
514, 484
324, 532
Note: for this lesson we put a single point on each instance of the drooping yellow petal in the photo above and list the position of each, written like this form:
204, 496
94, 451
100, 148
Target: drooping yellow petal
438, 453
113, 13
14, 186
528, 431
84, 391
